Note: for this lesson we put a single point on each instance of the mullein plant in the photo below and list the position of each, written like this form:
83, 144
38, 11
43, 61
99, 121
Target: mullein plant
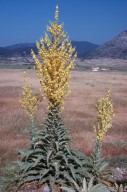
104, 109
58, 56
50, 160
29, 102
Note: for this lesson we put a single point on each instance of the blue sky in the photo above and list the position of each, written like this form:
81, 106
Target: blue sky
95, 21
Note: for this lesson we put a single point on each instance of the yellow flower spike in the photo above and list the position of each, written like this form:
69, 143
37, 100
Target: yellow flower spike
28, 101
57, 55
105, 113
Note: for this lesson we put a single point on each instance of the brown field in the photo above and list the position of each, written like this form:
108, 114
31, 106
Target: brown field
79, 114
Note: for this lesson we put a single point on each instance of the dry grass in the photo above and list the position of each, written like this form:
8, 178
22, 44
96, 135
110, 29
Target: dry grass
79, 114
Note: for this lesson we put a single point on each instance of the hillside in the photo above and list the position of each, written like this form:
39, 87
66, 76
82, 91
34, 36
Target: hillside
115, 48
22, 51
83, 47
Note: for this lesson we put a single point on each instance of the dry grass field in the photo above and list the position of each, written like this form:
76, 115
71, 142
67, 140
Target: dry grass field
79, 114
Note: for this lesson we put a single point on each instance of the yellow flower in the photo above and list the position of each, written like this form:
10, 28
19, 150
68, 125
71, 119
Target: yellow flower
28, 100
57, 55
105, 113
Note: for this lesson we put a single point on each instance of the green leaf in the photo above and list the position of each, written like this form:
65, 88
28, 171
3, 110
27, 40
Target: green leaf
99, 188
30, 178
52, 182
43, 172
67, 189
65, 159
27, 166
84, 185
66, 175
90, 184
68, 150
103, 166
39, 151
25, 152
30, 172
78, 161
60, 181
39, 157
72, 171
48, 155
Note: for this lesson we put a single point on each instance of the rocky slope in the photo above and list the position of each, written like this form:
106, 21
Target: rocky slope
115, 48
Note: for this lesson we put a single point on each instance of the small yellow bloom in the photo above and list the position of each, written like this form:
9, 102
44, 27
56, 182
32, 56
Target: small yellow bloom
28, 100
105, 113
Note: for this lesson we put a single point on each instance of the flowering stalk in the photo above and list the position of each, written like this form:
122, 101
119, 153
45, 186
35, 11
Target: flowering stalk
50, 159
57, 55
29, 101
105, 113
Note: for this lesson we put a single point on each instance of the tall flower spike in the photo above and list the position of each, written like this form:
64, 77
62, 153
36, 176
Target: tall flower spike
58, 56
105, 114
28, 100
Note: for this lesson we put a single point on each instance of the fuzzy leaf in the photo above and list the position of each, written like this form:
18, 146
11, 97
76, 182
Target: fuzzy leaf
67, 189
72, 171
77, 161
90, 184
66, 175
84, 185
39, 157
103, 166
48, 155
99, 188
65, 159
30, 172
30, 178
25, 152
27, 166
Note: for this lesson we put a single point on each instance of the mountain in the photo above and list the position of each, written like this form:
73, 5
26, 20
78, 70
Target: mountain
83, 47
4, 52
20, 46
115, 48
24, 49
